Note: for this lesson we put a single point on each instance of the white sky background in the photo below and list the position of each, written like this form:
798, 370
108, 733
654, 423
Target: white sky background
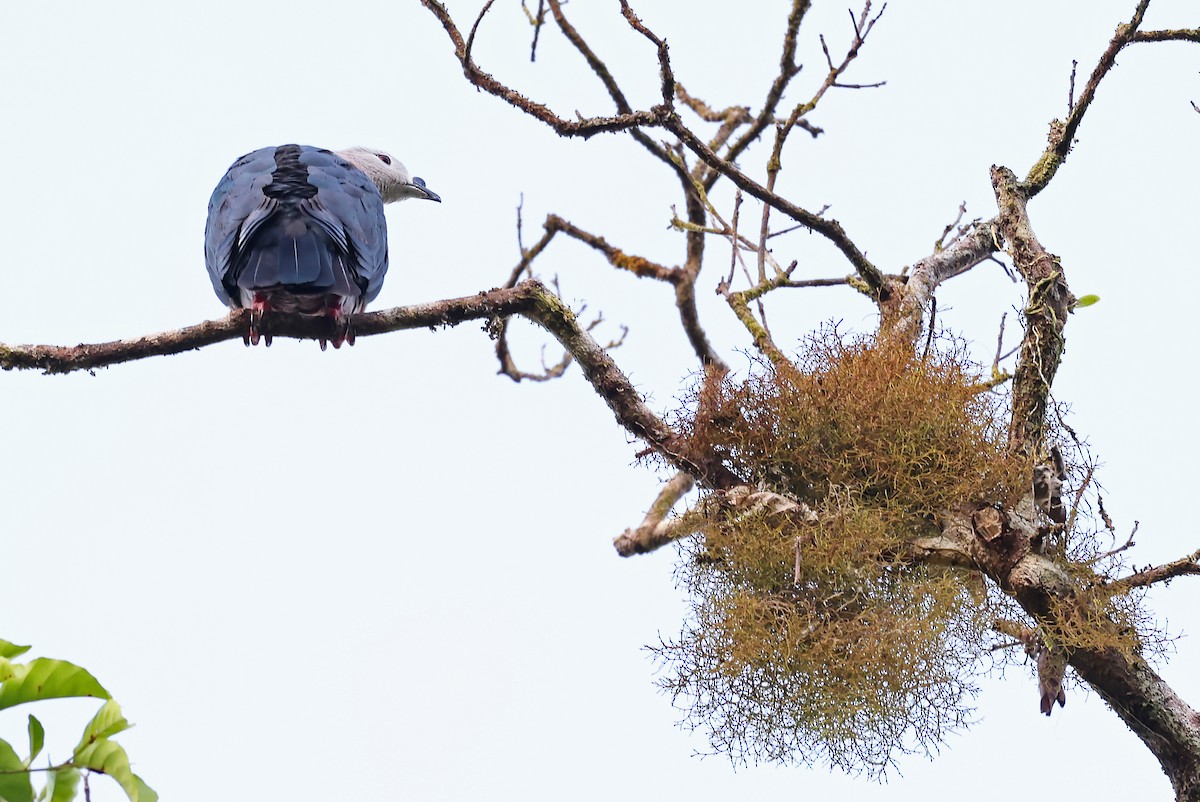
385, 572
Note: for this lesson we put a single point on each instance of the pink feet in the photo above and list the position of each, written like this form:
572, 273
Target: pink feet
261, 307
339, 324
258, 311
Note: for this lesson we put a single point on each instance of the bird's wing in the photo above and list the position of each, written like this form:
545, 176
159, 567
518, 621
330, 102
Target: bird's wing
236, 208
349, 207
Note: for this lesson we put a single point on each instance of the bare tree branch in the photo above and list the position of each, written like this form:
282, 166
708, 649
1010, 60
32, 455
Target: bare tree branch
1128, 544
1126, 681
945, 239
904, 311
663, 116
537, 21
1045, 313
685, 298
665, 73
606, 77
830, 229
584, 127
682, 279
1184, 566
706, 112
530, 299
1175, 35
788, 69
1062, 135
739, 303
508, 365
1151, 708
61, 359
657, 529
637, 265
1071, 88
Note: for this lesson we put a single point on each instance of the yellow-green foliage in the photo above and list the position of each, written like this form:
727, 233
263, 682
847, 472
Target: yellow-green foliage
1100, 615
822, 641
900, 430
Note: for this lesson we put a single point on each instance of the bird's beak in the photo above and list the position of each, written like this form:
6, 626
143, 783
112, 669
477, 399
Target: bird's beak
419, 190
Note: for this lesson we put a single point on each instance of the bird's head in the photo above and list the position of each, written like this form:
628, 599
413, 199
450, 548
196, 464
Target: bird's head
388, 174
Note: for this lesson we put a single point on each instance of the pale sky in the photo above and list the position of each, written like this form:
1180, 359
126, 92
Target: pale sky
385, 572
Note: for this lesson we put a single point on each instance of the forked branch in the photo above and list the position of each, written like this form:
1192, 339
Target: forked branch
1062, 134
663, 115
584, 127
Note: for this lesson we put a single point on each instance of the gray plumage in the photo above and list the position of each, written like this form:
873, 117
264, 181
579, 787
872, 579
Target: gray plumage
1051, 670
1047, 487
300, 229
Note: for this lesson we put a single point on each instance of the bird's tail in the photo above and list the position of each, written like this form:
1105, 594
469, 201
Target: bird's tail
292, 252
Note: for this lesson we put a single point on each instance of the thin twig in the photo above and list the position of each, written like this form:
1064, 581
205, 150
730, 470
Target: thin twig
520, 225
538, 20
830, 229
602, 72
1083, 486
637, 265
584, 127
932, 326
1108, 524
1128, 544
999, 344
1185, 566
733, 239
941, 243
703, 110
788, 69
1071, 90
474, 28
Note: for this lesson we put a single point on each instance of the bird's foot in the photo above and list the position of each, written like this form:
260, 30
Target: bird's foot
258, 328
339, 327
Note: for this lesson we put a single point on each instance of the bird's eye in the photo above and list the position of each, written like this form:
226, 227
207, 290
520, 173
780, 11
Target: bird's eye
419, 182
383, 157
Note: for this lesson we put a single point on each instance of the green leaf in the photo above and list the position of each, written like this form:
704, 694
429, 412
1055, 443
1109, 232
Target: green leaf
61, 784
7, 669
37, 737
145, 792
44, 678
11, 650
107, 757
14, 779
107, 722
1086, 300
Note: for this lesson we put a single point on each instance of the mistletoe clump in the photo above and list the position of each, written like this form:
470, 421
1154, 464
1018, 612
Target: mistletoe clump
816, 636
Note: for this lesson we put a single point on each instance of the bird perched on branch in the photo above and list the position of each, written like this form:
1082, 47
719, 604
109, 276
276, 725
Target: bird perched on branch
301, 229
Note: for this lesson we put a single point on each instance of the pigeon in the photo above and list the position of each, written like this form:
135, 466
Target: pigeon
301, 229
